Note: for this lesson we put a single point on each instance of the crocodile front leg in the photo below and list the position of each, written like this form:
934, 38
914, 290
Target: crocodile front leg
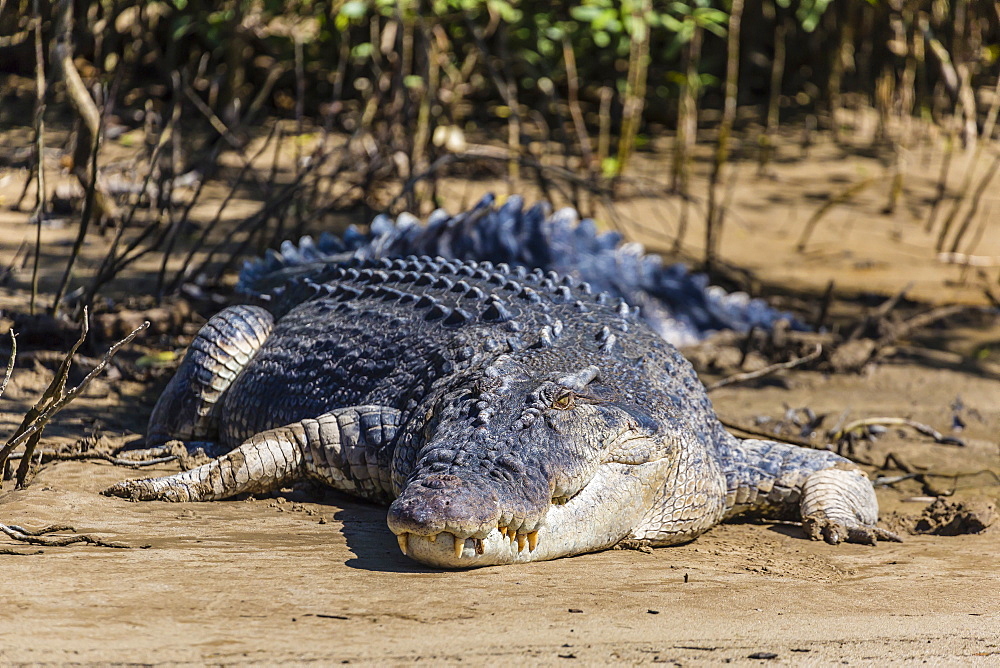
221, 349
833, 499
346, 448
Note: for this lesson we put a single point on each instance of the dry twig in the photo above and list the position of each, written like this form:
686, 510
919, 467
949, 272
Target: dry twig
39, 537
751, 431
10, 362
766, 371
895, 421
842, 197
53, 400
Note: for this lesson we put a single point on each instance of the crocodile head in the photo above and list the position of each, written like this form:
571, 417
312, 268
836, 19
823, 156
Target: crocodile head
534, 458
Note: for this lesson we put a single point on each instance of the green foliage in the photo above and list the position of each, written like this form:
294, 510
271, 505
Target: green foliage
808, 12
483, 50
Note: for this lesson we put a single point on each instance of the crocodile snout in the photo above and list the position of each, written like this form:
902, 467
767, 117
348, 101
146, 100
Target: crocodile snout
439, 503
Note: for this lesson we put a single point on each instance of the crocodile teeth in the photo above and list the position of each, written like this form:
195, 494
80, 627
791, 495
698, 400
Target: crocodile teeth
521, 542
478, 542
459, 546
433, 537
503, 531
403, 544
532, 541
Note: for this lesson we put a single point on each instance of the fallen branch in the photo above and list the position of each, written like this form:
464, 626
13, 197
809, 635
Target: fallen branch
751, 431
750, 375
969, 260
905, 422
930, 488
48, 456
922, 320
39, 537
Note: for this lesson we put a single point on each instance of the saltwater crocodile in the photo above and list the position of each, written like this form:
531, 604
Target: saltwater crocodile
507, 415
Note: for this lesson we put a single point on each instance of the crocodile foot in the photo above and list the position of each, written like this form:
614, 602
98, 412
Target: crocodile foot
838, 506
151, 489
834, 532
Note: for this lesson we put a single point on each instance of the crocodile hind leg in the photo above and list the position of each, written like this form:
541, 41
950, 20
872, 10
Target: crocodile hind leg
346, 448
221, 349
834, 500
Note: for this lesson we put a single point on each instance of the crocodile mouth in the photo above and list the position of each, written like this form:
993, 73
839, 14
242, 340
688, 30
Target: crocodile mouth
522, 540
583, 515
574, 524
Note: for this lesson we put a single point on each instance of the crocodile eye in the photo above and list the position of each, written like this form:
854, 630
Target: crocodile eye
564, 401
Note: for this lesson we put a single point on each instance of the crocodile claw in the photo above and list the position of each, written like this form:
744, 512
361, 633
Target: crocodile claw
834, 533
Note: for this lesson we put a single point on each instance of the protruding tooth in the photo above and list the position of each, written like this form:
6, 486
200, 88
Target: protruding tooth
503, 531
532, 541
478, 542
433, 537
521, 542
511, 535
459, 546
402, 538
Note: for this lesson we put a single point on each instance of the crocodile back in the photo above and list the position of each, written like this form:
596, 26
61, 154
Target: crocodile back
389, 331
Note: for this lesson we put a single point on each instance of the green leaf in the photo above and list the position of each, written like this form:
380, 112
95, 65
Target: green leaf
362, 51
585, 13
353, 9
707, 14
671, 24
716, 29
182, 27
157, 359
610, 167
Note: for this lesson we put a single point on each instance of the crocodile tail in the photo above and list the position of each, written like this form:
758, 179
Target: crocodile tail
679, 305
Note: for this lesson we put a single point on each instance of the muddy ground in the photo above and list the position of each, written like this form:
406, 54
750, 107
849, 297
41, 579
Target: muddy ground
309, 576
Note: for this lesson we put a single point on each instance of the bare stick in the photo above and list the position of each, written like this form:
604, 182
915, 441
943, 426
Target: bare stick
88, 212
687, 133
40, 194
956, 205
942, 184
90, 116
844, 195
573, 100
49, 456
108, 263
635, 84
969, 260
750, 375
922, 320
974, 208
713, 223
37, 537
10, 362
751, 431
905, 422
774, 91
